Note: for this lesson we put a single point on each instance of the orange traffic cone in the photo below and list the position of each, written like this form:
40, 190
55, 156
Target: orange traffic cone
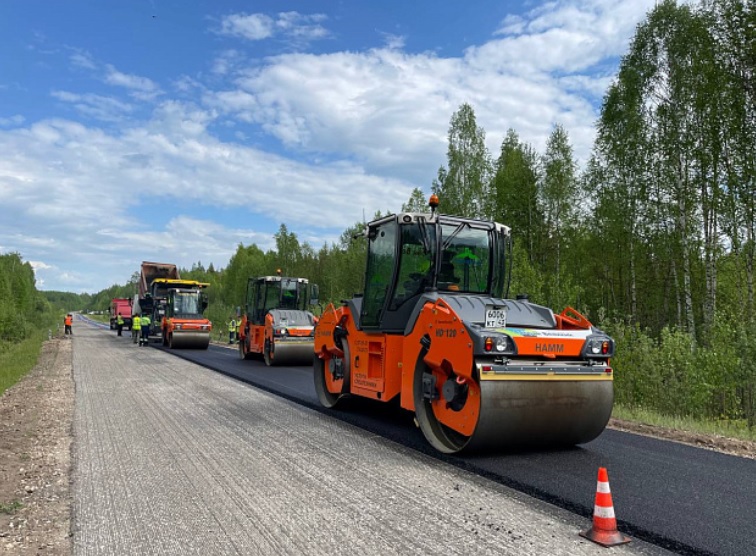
604, 530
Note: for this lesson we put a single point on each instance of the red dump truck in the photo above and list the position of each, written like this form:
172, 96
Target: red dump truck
123, 306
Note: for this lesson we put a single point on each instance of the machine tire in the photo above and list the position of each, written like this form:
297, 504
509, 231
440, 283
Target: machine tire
328, 399
244, 343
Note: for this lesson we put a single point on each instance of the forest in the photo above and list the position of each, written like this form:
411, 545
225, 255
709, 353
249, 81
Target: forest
653, 237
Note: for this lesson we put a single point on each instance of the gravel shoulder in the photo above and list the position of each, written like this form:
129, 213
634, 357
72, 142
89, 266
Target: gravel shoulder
37, 469
35, 456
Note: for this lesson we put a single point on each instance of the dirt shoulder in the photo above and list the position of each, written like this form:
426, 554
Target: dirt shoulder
36, 432
733, 446
36, 435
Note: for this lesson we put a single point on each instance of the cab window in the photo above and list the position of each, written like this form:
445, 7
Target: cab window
288, 294
465, 259
415, 263
379, 273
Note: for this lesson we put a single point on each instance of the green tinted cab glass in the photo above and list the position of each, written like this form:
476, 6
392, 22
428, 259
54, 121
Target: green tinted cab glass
465, 258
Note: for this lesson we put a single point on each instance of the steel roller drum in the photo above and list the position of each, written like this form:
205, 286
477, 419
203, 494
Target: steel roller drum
550, 412
293, 352
545, 412
190, 340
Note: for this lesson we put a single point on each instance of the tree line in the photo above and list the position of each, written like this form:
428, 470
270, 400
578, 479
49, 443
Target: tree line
22, 308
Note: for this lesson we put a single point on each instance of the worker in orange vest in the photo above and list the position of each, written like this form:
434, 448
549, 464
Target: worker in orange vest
68, 322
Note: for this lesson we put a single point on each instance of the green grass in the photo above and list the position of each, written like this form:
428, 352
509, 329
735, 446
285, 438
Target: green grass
10, 508
18, 359
728, 428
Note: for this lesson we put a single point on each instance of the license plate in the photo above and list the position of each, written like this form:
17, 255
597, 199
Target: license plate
496, 318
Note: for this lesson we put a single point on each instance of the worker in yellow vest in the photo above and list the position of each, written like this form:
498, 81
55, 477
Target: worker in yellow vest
136, 328
145, 323
231, 330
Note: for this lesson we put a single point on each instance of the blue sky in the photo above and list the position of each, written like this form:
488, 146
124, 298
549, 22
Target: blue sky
172, 130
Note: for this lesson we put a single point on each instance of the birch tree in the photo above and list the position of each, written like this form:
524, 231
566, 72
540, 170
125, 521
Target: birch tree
462, 187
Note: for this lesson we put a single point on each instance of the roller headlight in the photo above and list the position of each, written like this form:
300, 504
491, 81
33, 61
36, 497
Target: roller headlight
497, 344
501, 344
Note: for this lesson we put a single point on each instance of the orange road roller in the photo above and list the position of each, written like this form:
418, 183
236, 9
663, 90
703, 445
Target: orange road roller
276, 323
435, 329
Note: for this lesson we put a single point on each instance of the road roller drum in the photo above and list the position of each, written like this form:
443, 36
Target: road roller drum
189, 340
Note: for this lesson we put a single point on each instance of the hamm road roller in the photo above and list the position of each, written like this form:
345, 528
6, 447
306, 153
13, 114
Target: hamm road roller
183, 324
434, 328
276, 323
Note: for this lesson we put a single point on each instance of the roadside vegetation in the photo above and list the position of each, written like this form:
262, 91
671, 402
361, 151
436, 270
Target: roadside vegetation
654, 239
26, 319
10, 508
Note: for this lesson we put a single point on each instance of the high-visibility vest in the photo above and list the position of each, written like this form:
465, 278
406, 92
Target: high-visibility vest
136, 323
119, 320
68, 320
145, 321
232, 326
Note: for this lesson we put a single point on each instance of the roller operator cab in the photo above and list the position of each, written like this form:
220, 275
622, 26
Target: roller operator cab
435, 330
276, 322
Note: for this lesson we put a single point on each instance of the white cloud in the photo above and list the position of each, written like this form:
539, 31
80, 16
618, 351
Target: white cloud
140, 87
252, 27
293, 26
83, 60
80, 187
39, 265
226, 62
14, 120
103, 108
568, 35
305, 27
394, 42
186, 84
390, 110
